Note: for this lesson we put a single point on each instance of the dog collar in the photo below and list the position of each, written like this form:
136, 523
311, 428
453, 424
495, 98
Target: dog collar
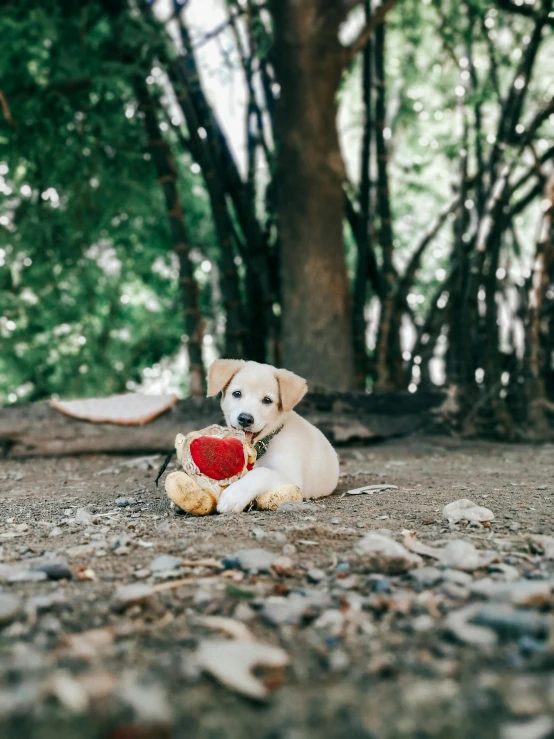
261, 445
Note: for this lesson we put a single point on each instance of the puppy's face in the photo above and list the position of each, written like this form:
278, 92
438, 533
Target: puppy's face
256, 397
252, 400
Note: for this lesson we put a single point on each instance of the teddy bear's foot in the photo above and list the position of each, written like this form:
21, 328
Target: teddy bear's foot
272, 500
187, 495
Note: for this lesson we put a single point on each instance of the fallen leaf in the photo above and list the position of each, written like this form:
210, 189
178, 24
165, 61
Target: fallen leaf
411, 542
231, 663
235, 629
370, 489
466, 510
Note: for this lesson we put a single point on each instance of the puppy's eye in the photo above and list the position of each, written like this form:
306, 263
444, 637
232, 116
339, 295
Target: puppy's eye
267, 401
237, 394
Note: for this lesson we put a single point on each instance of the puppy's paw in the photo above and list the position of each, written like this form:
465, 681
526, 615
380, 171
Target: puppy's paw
234, 499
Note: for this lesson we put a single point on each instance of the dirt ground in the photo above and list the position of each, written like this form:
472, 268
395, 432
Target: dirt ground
370, 654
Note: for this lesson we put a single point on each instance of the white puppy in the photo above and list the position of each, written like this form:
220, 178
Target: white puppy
259, 399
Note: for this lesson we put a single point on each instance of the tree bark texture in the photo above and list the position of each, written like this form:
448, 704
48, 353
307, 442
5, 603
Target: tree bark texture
540, 319
363, 241
316, 311
388, 353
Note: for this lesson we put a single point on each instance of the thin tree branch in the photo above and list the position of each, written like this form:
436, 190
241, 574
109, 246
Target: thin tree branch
521, 204
534, 170
542, 115
424, 241
6, 109
354, 220
376, 19
527, 10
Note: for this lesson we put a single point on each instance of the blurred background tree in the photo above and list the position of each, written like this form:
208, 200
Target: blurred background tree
365, 202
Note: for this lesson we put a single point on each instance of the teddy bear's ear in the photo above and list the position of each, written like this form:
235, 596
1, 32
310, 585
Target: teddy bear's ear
291, 387
221, 372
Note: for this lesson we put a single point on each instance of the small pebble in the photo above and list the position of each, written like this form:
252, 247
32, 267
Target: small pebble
540, 727
423, 623
51, 625
127, 595
519, 592
283, 565
255, 560
461, 555
427, 577
314, 575
84, 517
380, 553
55, 569
338, 661
10, 608
454, 591
382, 585
165, 562
277, 610
457, 576
529, 645
512, 622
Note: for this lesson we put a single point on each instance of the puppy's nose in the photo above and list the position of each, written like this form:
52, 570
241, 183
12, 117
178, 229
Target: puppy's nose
245, 419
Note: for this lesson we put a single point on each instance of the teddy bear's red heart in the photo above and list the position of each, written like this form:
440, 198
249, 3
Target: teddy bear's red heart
218, 459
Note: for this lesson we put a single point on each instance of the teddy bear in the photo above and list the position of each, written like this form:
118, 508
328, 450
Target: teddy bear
212, 459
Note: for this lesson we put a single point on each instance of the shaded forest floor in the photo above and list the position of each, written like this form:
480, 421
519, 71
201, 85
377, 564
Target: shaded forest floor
371, 655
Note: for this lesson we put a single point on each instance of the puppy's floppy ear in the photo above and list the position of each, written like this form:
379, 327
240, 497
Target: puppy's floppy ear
292, 388
221, 372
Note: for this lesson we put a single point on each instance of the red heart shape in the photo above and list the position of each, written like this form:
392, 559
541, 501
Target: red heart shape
216, 458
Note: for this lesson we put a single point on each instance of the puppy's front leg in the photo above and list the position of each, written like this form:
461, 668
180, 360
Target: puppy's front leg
242, 492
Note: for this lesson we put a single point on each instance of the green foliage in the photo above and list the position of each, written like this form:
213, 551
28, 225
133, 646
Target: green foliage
88, 283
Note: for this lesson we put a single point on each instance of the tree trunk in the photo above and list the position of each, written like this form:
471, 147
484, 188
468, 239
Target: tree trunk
540, 321
363, 240
388, 359
316, 313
